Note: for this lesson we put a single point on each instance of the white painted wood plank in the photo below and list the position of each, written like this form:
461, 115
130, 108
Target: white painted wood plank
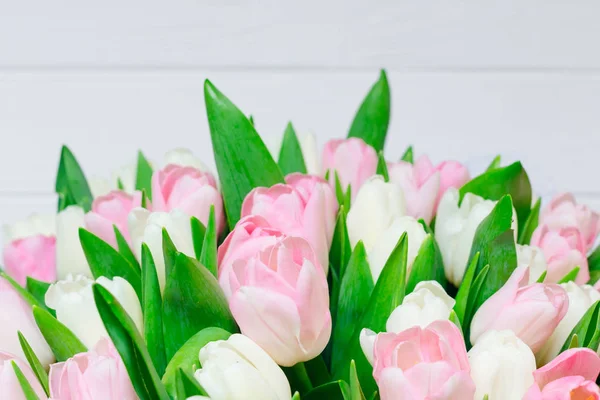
308, 34
550, 122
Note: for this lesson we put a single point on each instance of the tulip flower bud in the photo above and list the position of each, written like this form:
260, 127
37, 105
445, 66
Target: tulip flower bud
426, 304
501, 366
70, 258
238, 369
581, 298
280, 300
35, 224
184, 158
73, 301
533, 258
10, 388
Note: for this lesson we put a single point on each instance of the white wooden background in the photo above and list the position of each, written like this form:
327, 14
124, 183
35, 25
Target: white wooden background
469, 79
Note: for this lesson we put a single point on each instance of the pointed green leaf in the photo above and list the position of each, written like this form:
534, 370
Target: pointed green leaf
104, 260
152, 308
298, 378
290, 156
340, 193
495, 164
63, 343
34, 363
462, 297
143, 175
594, 265
428, 265
531, 223
208, 256
542, 277
38, 290
71, 185
296, 396
25, 385
473, 300
124, 248
408, 155
169, 253
198, 232
382, 167
28, 297
339, 253
373, 117
145, 201
187, 386
574, 342
454, 319
120, 184
193, 300
356, 392
243, 161
337, 390
585, 329
570, 276
317, 371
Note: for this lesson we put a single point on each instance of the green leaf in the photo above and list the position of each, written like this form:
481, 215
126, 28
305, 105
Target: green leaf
373, 117
408, 155
428, 265
473, 301
38, 290
187, 385
298, 378
208, 256
34, 363
124, 248
594, 265
104, 260
462, 297
152, 307
586, 329
198, 232
317, 371
531, 223
71, 185
382, 167
145, 200
343, 197
186, 358
120, 184
570, 276
574, 342
454, 319
25, 386
339, 253
497, 183
251, 119
130, 345
243, 161
63, 343
337, 390
542, 277
356, 392
28, 297
495, 164
290, 156
193, 300
143, 175
296, 396
355, 291
169, 253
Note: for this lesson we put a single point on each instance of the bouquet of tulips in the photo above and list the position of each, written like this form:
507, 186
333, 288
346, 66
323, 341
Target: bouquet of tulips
350, 277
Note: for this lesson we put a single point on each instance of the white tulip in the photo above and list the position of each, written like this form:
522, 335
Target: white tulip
429, 302
532, 257
35, 224
70, 258
376, 207
455, 229
184, 158
73, 301
367, 343
237, 369
581, 299
100, 186
126, 174
311, 155
501, 366
146, 227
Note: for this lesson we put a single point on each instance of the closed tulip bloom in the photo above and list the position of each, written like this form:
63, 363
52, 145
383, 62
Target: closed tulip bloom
184, 158
532, 311
73, 301
10, 388
250, 236
423, 364
35, 224
280, 300
238, 369
70, 258
501, 366
33, 256
353, 159
112, 210
570, 376
189, 190
98, 374
428, 303
563, 212
16, 315
564, 250
146, 227
533, 258
581, 298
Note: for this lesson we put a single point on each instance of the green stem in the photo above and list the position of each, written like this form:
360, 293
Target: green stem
298, 377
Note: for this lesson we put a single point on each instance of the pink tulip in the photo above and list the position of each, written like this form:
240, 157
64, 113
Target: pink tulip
280, 300
306, 208
33, 256
353, 159
564, 250
188, 189
532, 312
424, 185
423, 364
112, 210
563, 212
570, 376
98, 374
10, 388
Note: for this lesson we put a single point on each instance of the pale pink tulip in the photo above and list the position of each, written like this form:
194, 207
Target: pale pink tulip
112, 210
532, 312
98, 374
305, 208
353, 159
423, 364
189, 190
563, 212
570, 376
10, 388
33, 256
251, 235
280, 300
564, 250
